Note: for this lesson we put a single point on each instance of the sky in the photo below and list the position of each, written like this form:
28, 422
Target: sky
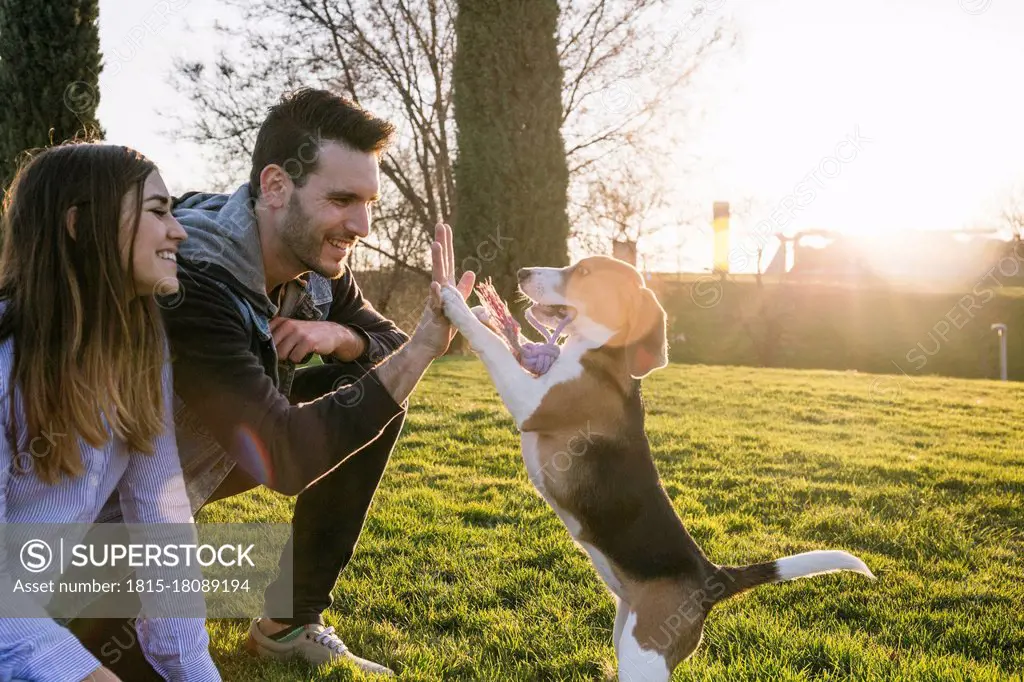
863, 116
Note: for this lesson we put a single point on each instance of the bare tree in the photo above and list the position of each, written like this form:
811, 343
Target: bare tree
627, 66
394, 57
625, 204
1011, 215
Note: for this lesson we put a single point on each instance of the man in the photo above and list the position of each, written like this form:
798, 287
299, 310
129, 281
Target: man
264, 285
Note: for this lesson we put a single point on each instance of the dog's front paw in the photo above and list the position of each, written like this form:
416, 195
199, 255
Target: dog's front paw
481, 314
486, 319
455, 307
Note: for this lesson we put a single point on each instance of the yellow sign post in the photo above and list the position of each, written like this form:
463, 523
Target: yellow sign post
721, 228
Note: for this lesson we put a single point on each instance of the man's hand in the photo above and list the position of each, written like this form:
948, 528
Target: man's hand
102, 674
400, 373
296, 339
434, 332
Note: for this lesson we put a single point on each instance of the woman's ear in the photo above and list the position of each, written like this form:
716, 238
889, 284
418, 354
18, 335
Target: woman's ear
71, 221
646, 342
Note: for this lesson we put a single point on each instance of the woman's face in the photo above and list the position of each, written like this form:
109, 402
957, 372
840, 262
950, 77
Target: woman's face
156, 241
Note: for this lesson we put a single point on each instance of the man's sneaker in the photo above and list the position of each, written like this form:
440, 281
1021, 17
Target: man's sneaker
315, 643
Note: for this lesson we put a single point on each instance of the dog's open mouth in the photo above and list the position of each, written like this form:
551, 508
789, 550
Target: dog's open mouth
552, 315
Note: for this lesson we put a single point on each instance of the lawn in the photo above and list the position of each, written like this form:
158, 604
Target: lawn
464, 573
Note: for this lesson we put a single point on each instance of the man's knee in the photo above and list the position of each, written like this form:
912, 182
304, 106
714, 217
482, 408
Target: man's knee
236, 483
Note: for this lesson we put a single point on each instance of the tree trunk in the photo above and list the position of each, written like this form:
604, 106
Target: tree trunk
511, 173
49, 75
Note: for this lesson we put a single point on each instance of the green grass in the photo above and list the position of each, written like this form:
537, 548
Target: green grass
464, 573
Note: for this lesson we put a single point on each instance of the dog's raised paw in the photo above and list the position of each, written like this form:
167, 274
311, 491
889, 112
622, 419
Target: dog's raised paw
481, 314
455, 306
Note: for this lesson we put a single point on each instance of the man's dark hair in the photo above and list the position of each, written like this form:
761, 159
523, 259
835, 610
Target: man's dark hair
303, 120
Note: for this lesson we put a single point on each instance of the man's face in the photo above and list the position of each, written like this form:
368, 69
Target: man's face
331, 212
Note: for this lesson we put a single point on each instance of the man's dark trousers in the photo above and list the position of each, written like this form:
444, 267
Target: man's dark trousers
329, 514
328, 519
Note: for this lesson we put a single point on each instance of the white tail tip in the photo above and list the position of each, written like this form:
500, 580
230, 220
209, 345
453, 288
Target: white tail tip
818, 562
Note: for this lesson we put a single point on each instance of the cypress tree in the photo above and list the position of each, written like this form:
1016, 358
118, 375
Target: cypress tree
49, 75
511, 174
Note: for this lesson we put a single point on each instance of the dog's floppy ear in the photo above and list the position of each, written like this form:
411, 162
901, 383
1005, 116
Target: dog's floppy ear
646, 340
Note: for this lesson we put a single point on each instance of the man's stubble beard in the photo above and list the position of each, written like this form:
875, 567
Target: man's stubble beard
306, 245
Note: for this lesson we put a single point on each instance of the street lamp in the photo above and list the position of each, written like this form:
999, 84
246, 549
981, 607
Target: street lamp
1000, 329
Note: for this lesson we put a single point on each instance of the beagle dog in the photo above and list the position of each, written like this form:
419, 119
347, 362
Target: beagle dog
583, 440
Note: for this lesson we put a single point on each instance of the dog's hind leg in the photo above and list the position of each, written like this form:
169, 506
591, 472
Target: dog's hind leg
637, 664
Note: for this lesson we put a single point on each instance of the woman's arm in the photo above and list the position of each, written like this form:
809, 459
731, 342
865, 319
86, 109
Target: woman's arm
32, 646
152, 491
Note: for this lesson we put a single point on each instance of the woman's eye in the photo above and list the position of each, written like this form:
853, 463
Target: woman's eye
159, 211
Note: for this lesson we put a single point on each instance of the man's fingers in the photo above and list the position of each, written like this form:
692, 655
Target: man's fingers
441, 237
281, 331
294, 347
284, 348
466, 282
434, 300
285, 341
450, 251
303, 348
437, 262
281, 325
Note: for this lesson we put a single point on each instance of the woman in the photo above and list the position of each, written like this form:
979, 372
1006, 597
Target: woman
86, 385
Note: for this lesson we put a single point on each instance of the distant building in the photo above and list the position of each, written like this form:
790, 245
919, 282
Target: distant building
905, 256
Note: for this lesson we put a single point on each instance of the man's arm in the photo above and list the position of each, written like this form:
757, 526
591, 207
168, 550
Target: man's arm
352, 331
402, 371
349, 309
223, 382
287, 447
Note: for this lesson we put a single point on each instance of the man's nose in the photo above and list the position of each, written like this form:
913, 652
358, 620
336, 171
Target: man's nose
523, 274
359, 225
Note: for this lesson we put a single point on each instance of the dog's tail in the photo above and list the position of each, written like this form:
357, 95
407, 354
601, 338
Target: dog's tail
735, 579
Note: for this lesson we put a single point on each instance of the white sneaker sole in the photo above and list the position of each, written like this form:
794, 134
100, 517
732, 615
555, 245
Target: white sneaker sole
254, 648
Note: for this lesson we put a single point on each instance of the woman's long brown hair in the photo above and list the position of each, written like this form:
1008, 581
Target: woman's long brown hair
87, 350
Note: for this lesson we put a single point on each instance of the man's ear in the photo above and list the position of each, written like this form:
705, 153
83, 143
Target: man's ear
646, 341
275, 186
71, 222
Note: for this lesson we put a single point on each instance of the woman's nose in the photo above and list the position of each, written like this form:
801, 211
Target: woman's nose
178, 233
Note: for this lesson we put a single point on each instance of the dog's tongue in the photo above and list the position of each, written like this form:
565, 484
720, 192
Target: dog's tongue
560, 311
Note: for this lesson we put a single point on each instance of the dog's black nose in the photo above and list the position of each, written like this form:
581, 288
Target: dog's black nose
522, 274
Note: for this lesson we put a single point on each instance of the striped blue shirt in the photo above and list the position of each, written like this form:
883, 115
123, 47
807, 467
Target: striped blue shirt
151, 490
